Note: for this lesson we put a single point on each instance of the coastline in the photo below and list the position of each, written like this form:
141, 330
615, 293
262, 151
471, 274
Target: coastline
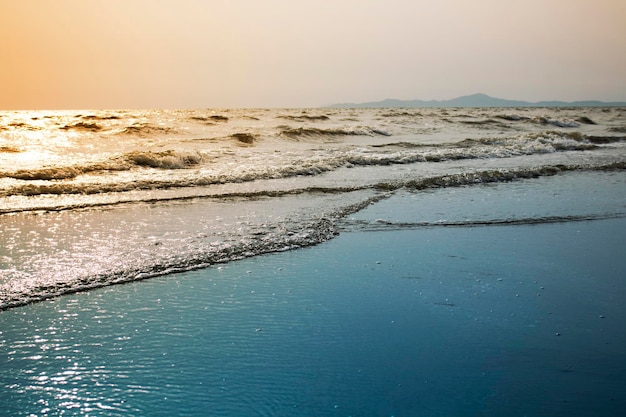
278, 223
501, 319
381, 262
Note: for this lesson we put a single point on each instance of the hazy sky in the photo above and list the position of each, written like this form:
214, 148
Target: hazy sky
305, 53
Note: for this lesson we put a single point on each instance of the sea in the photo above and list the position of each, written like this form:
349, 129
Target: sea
313, 262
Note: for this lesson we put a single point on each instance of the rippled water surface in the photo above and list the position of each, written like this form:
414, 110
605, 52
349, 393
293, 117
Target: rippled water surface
96, 197
403, 318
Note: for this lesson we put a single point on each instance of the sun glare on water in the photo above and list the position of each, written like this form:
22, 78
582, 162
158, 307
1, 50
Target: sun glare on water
30, 139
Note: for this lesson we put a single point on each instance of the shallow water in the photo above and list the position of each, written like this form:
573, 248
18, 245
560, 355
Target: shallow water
569, 197
515, 320
92, 198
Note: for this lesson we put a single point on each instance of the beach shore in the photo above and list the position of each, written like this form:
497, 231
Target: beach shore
416, 308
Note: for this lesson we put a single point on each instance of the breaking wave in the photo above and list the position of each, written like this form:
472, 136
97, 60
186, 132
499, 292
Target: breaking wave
585, 120
162, 160
491, 176
296, 165
244, 138
145, 129
429, 182
283, 236
9, 149
512, 117
304, 117
555, 122
537, 120
209, 119
184, 189
486, 122
287, 237
20, 126
311, 132
605, 139
83, 126
383, 225
101, 117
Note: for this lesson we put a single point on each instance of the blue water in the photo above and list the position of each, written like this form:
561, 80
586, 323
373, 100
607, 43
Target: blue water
522, 320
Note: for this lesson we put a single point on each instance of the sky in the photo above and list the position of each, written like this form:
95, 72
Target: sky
98, 54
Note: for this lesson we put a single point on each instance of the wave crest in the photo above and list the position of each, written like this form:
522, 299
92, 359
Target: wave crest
145, 129
164, 160
398, 153
541, 120
9, 149
311, 132
304, 117
102, 117
83, 126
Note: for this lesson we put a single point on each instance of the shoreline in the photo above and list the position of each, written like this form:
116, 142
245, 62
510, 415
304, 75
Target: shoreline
455, 321
312, 233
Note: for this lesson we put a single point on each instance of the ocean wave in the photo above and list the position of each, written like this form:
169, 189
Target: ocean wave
512, 117
383, 225
500, 121
542, 120
487, 123
585, 120
492, 176
400, 113
148, 197
576, 121
304, 117
404, 145
145, 129
209, 119
44, 174
244, 138
311, 132
485, 148
429, 182
83, 126
541, 142
163, 160
101, 117
485, 177
20, 289
605, 139
20, 126
9, 149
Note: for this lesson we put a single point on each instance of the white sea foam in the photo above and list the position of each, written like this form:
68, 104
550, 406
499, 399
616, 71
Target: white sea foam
97, 197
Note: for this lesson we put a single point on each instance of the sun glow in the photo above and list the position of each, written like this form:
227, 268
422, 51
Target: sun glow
32, 139
277, 53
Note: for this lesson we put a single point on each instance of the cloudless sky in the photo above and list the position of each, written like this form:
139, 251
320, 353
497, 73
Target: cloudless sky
74, 54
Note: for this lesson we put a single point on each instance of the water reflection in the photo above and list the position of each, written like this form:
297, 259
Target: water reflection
308, 333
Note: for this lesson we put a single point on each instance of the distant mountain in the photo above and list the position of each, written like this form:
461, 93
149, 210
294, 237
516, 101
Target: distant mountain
476, 100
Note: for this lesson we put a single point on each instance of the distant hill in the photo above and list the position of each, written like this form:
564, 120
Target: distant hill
476, 100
